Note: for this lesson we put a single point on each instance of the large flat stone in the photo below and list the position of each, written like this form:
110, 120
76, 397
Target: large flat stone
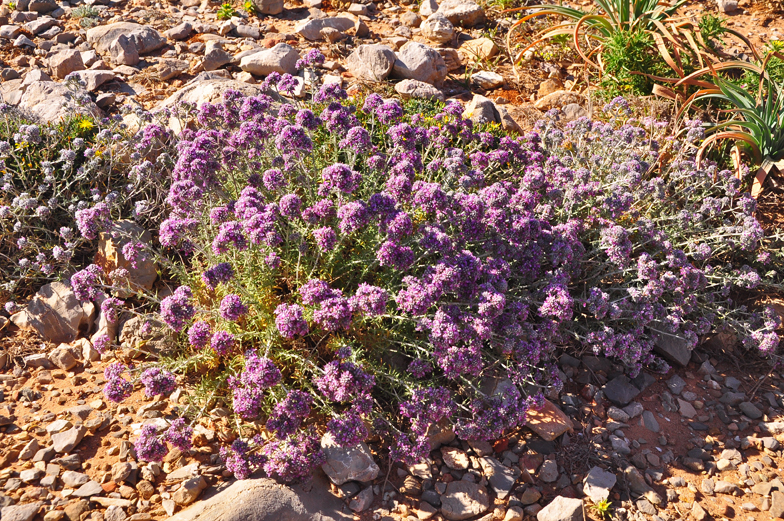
549, 422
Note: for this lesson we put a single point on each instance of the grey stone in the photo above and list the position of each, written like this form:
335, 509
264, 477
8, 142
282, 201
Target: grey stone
73, 479
91, 488
347, 464
362, 501
9, 32
428, 7
620, 390
416, 61
311, 29
145, 38
502, 478
676, 384
776, 506
215, 57
169, 68
732, 383
55, 312
40, 25
548, 472
189, 490
114, 513
573, 111
123, 51
672, 347
31, 475
598, 483
371, 62
772, 427
619, 415
29, 450
750, 410
268, 7
24, 41
263, 499
437, 28
66, 441
464, 13
708, 487
282, 58
409, 89
649, 421
620, 445
487, 80
639, 486
95, 78
727, 6
731, 398
248, 31
43, 6
63, 358
179, 32
20, 512
481, 110
686, 409
463, 499
562, 509
724, 487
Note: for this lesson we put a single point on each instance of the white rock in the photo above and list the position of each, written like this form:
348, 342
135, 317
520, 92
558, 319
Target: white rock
417, 61
282, 58
371, 62
487, 80
437, 28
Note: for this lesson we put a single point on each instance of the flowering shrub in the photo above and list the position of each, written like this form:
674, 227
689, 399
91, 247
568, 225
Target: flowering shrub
389, 272
63, 183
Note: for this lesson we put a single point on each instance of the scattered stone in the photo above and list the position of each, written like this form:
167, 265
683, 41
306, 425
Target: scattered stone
20, 512
562, 509
66, 441
750, 410
727, 6
676, 384
686, 409
282, 58
55, 312
548, 472
362, 501
347, 464
73, 479
145, 38
416, 61
464, 13
268, 7
487, 80
94, 79
455, 458
672, 347
371, 62
189, 490
418, 89
91, 488
549, 422
620, 390
463, 499
437, 28
65, 62
169, 68
598, 483
501, 478
649, 421
311, 29
179, 32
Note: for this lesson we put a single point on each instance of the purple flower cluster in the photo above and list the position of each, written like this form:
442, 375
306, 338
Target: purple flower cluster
260, 373
288, 414
294, 458
232, 308
117, 388
290, 320
344, 381
157, 381
348, 430
150, 446
176, 309
84, 283
220, 273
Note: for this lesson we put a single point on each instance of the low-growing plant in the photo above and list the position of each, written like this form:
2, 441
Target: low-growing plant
54, 174
226, 11
349, 267
602, 508
249, 7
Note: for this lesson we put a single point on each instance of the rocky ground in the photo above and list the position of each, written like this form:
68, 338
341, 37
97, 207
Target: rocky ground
701, 442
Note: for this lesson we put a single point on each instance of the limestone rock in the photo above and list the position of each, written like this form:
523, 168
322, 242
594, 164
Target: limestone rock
65, 62
63, 358
265, 500
549, 422
437, 28
179, 32
558, 99
169, 68
481, 110
487, 80
463, 499
24, 512
464, 13
144, 37
56, 314
215, 57
598, 483
311, 29
347, 464
419, 62
282, 58
478, 49
371, 62
189, 490
66, 441
562, 509
268, 7
428, 7
95, 78
418, 89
